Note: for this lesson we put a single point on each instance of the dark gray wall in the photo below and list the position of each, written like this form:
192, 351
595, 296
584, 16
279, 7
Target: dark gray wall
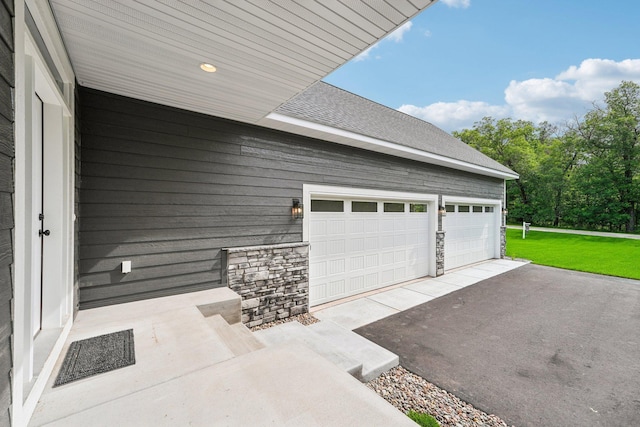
6, 204
167, 188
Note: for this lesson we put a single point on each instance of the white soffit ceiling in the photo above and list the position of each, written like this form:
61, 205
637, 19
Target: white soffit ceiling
266, 51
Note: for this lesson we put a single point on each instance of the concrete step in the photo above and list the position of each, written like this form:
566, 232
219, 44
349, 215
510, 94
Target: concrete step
375, 359
224, 302
296, 332
237, 337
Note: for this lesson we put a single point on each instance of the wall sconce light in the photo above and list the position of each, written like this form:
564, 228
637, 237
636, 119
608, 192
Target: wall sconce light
442, 211
505, 211
297, 209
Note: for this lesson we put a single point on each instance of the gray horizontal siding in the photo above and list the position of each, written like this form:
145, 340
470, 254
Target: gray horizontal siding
7, 154
167, 188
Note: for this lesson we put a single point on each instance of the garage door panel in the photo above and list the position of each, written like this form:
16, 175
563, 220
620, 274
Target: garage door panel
318, 228
470, 236
336, 287
336, 247
387, 258
377, 249
336, 266
356, 226
320, 248
372, 243
371, 226
357, 263
400, 240
318, 269
386, 241
387, 277
356, 283
336, 227
356, 244
372, 260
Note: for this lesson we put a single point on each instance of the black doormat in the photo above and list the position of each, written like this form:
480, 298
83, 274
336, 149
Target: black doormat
96, 355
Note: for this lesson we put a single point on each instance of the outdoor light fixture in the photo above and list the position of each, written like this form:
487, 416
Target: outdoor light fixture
297, 209
442, 211
505, 211
209, 68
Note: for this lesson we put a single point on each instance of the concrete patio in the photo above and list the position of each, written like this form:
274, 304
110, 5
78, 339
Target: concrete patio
196, 365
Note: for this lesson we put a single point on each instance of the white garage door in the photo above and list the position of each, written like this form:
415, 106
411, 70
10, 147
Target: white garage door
361, 245
470, 234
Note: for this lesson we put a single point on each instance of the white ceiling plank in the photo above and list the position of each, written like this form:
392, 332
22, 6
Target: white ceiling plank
156, 35
403, 6
215, 23
370, 14
317, 28
336, 23
422, 4
122, 39
266, 51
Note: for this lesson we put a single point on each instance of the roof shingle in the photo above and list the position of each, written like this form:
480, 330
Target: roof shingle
328, 105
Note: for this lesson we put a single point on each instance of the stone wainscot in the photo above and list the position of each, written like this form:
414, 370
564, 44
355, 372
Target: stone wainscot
273, 280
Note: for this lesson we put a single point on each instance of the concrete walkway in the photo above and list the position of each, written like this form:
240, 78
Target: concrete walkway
364, 310
196, 366
191, 370
582, 232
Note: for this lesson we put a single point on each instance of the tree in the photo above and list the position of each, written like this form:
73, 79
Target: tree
611, 137
514, 144
543, 158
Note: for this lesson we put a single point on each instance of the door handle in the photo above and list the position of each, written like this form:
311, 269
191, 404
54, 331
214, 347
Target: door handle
45, 233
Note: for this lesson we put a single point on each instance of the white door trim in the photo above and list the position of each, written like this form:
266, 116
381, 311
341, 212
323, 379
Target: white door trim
314, 190
32, 75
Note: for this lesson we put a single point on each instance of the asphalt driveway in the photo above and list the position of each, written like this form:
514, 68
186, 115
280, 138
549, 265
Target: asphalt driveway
537, 346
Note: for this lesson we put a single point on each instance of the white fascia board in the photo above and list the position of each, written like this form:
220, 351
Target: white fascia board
379, 145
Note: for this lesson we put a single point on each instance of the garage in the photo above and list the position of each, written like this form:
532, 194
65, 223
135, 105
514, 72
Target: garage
472, 232
360, 243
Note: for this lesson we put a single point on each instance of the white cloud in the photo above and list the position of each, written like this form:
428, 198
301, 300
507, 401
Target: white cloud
396, 36
365, 54
455, 115
399, 32
556, 100
461, 4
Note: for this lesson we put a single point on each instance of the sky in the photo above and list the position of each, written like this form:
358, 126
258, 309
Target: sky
539, 60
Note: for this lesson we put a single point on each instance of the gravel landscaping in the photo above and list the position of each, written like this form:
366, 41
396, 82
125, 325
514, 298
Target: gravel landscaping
306, 319
407, 391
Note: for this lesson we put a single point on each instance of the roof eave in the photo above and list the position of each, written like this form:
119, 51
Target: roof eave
344, 137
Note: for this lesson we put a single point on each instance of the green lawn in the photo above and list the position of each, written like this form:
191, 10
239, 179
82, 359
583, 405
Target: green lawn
603, 255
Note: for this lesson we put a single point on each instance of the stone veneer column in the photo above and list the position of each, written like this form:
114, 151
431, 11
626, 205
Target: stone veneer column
503, 242
439, 253
273, 280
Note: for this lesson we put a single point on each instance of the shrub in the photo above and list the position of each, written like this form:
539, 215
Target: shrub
425, 420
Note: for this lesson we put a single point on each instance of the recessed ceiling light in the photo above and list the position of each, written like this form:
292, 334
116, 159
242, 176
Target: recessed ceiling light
209, 68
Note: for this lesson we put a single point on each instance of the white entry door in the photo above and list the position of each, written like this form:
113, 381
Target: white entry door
38, 204
471, 233
361, 245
